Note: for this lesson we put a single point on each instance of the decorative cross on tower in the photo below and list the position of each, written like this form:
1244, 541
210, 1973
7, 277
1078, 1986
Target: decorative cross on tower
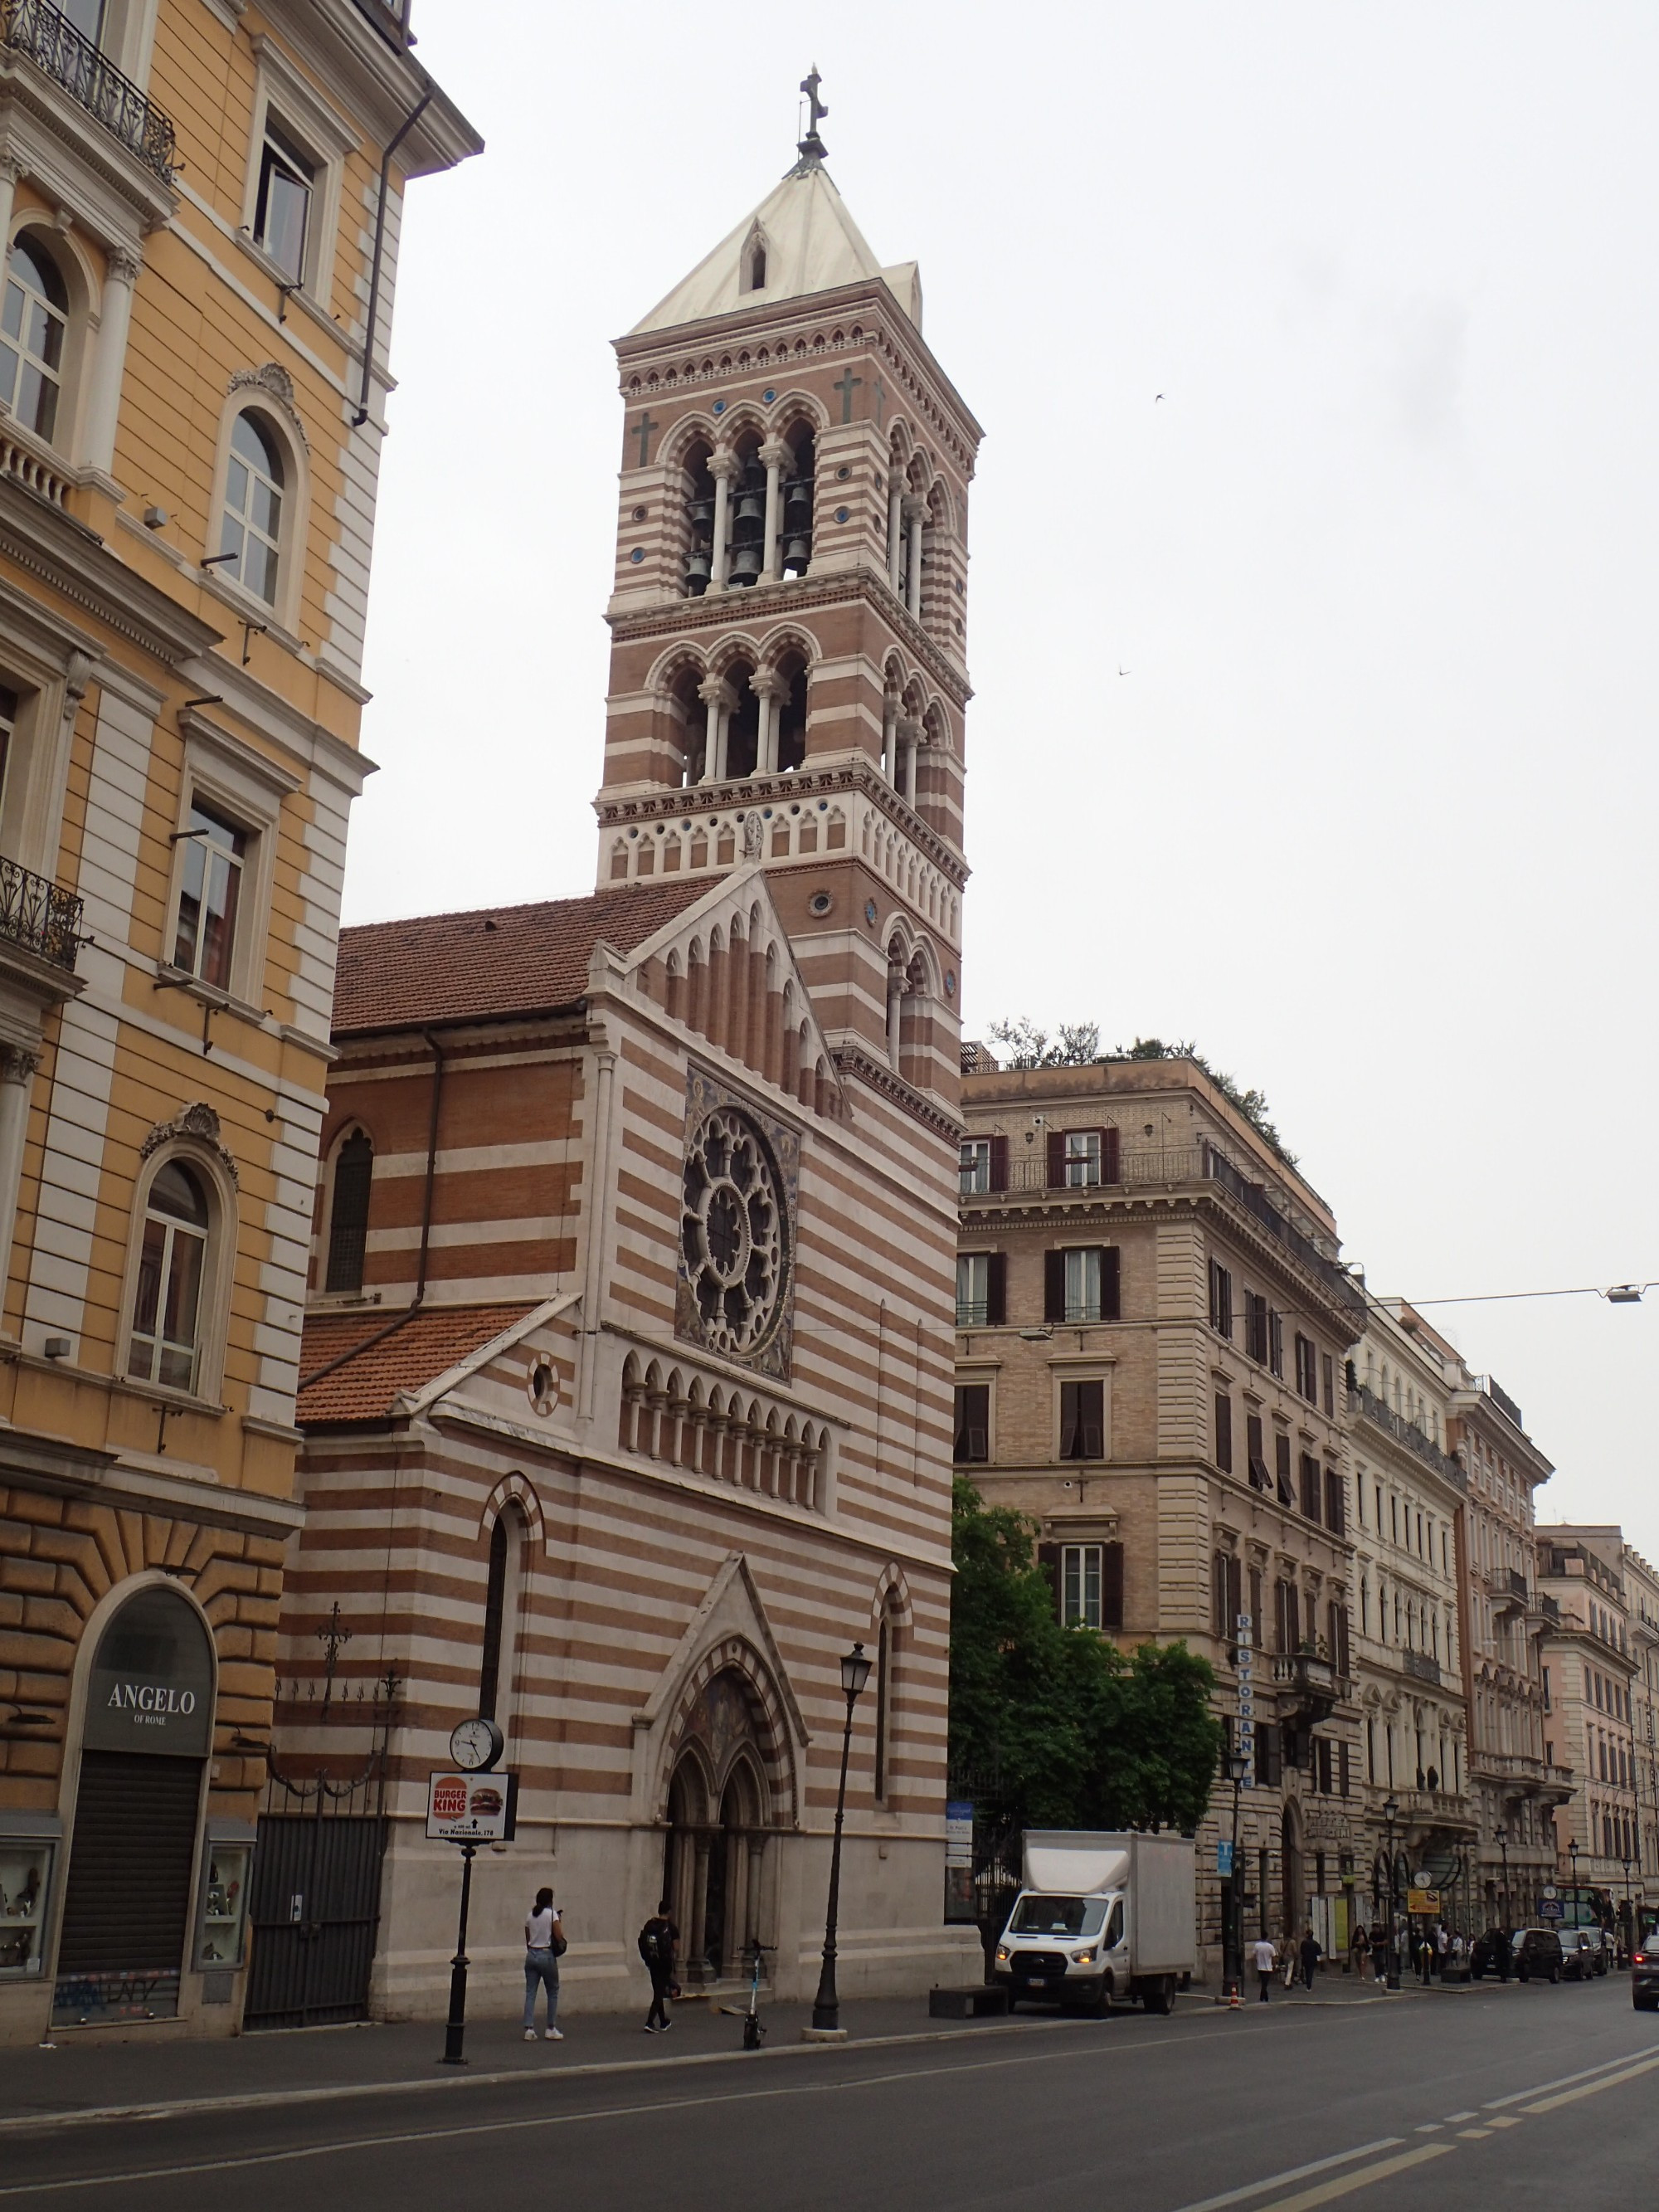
812, 146
331, 1638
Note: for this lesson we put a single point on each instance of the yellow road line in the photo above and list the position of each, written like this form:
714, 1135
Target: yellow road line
1592, 2088
1345, 2183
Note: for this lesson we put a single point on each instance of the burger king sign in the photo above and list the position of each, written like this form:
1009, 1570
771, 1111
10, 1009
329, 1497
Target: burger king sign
470, 1808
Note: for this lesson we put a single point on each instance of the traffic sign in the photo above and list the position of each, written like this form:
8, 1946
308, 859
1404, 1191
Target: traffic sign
1551, 1909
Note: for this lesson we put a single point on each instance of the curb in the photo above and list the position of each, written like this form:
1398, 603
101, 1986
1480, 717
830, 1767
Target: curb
255, 2100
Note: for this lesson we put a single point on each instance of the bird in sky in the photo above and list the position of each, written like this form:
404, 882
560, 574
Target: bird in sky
1156, 396
1123, 671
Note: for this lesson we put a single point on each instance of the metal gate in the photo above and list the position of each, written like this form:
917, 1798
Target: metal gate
315, 1908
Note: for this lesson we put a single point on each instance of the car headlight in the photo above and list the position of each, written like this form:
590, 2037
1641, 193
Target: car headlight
1002, 1954
1083, 1958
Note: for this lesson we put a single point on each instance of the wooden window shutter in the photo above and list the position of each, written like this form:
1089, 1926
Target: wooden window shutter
1049, 1561
1111, 1585
1309, 1472
1258, 1620
1109, 1156
1281, 1617
1235, 1595
996, 1290
1218, 1596
1056, 1158
1282, 1468
1054, 1286
1293, 1616
998, 1163
1329, 1368
1110, 1284
1342, 1621
1336, 1511
1224, 1432
1091, 1419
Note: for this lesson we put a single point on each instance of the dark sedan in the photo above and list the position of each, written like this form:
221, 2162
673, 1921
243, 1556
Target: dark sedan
1538, 1954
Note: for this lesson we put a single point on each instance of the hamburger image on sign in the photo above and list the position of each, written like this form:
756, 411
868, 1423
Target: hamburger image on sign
486, 1802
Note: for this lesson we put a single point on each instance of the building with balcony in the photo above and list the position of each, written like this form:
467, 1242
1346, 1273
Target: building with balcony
1641, 1608
1408, 1492
1591, 1661
1151, 1322
1518, 1769
199, 255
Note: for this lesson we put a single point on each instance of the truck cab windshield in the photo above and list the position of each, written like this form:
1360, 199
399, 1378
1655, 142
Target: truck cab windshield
1057, 1916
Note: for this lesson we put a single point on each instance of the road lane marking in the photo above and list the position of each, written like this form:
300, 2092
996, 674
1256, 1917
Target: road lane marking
342, 2144
1593, 2088
1292, 2173
1561, 2081
1347, 2183
1502, 2120
1452, 2118
1474, 2135
1428, 2127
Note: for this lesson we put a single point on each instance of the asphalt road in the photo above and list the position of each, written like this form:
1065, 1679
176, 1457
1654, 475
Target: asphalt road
1535, 2096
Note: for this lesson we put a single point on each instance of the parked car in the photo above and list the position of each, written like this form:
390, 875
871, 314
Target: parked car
1538, 1954
1491, 1954
1644, 1973
1583, 1953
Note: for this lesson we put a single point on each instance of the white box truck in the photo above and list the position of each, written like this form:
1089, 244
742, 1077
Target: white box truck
1099, 1917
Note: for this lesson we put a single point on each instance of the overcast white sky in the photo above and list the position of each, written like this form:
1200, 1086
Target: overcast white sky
1371, 815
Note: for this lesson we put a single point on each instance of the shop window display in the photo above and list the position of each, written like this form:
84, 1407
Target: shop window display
25, 1886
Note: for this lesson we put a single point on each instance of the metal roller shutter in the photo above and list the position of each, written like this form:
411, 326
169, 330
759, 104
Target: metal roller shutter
130, 1863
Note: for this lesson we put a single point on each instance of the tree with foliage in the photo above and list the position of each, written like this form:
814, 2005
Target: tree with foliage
1077, 1735
1025, 1046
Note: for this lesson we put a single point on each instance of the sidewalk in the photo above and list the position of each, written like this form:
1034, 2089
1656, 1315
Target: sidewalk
83, 2077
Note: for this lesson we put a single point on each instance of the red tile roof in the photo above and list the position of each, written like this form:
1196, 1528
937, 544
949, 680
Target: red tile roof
421, 1346
497, 961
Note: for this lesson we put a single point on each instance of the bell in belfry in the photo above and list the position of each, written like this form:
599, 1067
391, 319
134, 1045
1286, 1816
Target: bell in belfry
798, 504
697, 572
796, 553
745, 563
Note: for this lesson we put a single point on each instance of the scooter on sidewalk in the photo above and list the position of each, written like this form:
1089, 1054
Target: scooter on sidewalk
754, 2028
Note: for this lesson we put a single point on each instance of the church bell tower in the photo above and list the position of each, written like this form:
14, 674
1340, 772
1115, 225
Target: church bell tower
788, 683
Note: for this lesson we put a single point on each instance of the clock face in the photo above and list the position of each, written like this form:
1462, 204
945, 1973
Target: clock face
475, 1745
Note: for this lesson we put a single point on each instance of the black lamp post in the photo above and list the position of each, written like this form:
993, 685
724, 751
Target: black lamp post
1572, 1853
826, 2008
1390, 1814
1503, 1847
1232, 1968
1626, 1935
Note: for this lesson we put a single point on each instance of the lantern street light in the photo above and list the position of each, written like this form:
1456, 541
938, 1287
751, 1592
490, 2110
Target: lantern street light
1233, 1935
826, 2007
1572, 1853
1504, 1846
1627, 1936
1390, 1814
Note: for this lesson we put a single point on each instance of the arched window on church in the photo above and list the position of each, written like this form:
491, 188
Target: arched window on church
897, 963
798, 472
699, 521
754, 261
791, 713
503, 1592
743, 727
691, 713
347, 1218
747, 558
887, 1653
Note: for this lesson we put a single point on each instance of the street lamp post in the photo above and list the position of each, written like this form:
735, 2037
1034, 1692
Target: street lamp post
1503, 1847
1627, 1931
1390, 1814
826, 2007
1572, 1853
1232, 1968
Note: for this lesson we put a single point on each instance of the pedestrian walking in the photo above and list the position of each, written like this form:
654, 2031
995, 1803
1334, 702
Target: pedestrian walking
658, 1939
543, 1942
1310, 1954
1442, 1948
1426, 1959
1265, 1959
1380, 1951
1359, 1951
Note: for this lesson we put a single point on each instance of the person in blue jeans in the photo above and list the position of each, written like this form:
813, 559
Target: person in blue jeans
541, 1964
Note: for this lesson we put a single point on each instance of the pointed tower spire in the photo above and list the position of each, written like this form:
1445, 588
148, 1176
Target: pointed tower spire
812, 148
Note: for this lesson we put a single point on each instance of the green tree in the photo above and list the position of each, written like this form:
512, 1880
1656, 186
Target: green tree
1078, 1735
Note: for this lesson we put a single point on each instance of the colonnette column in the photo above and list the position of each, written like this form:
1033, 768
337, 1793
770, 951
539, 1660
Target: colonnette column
723, 466
773, 453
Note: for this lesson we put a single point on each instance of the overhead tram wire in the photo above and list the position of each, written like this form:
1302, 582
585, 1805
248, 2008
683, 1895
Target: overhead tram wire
1616, 1294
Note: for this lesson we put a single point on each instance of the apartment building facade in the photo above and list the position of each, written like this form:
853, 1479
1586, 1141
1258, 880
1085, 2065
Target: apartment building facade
1642, 1601
1409, 1493
1152, 1324
191, 403
1519, 1768
1590, 1660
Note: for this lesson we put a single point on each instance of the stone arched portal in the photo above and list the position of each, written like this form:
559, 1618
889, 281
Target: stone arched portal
720, 1853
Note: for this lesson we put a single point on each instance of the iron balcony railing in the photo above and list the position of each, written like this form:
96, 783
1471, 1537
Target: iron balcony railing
58, 51
1381, 1415
1502, 1400
38, 916
1166, 1165
1423, 1664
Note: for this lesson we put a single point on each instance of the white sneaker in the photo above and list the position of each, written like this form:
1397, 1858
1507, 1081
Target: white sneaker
555, 2035
530, 2035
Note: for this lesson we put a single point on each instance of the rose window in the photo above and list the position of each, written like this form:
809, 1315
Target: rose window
733, 1232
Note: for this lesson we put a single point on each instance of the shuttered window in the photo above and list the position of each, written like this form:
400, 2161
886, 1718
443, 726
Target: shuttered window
975, 1172
1221, 1299
130, 1862
973, 1289
998, 1163
1308, 1470
1282, 1468
1276, 1343
1328, 1370
973, 1426
1224, 1432
1090, 1585
1260, 1478
1307, 1368
1255, 1327
1336, 1509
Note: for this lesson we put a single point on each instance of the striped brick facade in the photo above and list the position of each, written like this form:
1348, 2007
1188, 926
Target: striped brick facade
697, 1526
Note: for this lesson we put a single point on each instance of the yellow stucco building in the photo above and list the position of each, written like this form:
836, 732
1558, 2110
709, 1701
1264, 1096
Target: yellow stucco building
200, 202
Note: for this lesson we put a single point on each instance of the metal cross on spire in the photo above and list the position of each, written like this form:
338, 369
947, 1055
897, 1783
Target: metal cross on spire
811, 148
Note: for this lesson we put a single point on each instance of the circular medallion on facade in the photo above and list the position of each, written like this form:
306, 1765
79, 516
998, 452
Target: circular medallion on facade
820, 903
870, 912
842, 474
637, 554
733, 1231
639, 514
950, 982
842, 513
769, 397
719, 407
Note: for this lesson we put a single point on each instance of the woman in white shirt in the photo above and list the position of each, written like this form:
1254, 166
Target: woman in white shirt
542, 1945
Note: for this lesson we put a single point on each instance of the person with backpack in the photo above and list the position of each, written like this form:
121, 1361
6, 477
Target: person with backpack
658, 1940
544, 1944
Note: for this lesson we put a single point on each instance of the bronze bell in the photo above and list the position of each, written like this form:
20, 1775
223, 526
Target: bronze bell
745, 564
797, 551
697, 572
798, 504
750, 507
